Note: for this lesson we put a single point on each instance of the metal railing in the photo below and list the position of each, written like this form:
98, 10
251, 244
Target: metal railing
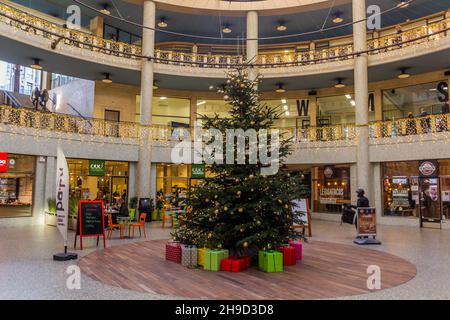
23, 21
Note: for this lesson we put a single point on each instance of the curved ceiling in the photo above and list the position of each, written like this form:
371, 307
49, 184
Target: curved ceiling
210, 25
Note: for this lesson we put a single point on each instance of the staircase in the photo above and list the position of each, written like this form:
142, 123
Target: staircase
17, 100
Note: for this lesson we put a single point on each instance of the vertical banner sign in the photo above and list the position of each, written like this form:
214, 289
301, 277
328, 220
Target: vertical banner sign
62, 194
3, 162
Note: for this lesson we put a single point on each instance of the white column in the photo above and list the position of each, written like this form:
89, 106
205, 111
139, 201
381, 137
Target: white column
252, 44
39, 191
148, 50
361, 96
131, 180
50, 179
153, 182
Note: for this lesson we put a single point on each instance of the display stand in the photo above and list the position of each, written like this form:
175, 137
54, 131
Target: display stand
302, 205
367, 227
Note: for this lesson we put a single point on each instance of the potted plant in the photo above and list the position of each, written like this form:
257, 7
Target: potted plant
132, 207
73, 213
50, 213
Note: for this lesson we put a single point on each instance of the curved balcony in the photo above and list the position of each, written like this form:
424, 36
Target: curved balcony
23, 22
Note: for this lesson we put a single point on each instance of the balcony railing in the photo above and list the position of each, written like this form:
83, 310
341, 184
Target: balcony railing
23, 21
411, 127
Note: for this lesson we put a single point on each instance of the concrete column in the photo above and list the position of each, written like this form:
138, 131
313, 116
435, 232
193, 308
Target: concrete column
313, 111
148, 50
353, 183
131, 180
361, 96
252, 43
153, 181
46, 80
193, 111
378, 95
377, 190
39, 190
96, 26
50, 179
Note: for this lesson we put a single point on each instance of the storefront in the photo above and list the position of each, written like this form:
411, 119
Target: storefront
98, 179
331, 185
17, 173
417, 189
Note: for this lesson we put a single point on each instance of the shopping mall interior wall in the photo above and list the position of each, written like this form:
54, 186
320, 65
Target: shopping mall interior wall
75, 98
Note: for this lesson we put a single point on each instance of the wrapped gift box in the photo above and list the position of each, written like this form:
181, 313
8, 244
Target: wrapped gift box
213, 258
189, 256
173, 252
270, 261
289, 258
297, 245
201, 256
235, 264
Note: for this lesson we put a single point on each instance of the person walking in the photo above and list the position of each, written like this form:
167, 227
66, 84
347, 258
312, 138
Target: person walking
44, 99
362, 202
35, 96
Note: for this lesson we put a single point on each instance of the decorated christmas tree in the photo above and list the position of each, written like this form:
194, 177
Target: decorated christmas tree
244, 207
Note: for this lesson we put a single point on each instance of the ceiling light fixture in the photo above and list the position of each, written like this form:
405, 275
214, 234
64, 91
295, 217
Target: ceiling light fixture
107, 79
201, 103
162, 23
339, 83
403, 74
403, 4
338, 18
353, 103
283, 101
348, 96
281, 27
105, 9
36, 65
162, 98
226, 28
280, 88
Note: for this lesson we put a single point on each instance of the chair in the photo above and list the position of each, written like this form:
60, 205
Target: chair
168, 216
139, 224
111, 227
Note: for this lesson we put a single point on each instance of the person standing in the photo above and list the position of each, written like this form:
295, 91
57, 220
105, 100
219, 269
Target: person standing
363, 202
425, 121
35, 96
411, 125
44, 99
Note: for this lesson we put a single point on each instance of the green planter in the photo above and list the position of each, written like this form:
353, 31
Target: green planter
132, 213
161, 214
155, 215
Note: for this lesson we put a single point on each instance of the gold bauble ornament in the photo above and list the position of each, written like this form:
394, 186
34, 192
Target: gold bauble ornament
286, 206
245, 244
216, 196
252, 190
206, 200
225, 208
280, 201
239, 193
241, 230
210, 235
241, 210
216, 211
219, 246
269, 245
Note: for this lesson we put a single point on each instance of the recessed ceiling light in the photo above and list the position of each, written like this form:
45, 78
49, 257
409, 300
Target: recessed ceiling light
339, 84
284, 101
162, 23
162, 98
286, 107
338, 18
107, 79
403, 74
281, 27
36, 65
353, 103
280, 88
226, 29
403, 4
348, 96
287, 113
105, 9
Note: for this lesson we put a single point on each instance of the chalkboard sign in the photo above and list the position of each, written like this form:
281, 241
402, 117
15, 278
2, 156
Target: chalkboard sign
144, 205
91, 221
300, 208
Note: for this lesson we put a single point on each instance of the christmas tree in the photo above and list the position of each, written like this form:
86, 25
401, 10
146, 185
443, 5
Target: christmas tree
238, 206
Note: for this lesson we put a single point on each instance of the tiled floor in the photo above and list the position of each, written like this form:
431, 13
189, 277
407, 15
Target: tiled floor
27, 270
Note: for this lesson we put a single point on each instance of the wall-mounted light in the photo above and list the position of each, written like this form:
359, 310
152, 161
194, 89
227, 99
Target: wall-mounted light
227, 28
280, 88
107, 79
162, 23
338, 18
105, 9
36, 64
403, 74
339, 83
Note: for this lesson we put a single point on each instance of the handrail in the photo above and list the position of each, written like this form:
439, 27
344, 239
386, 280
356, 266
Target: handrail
15, 102
82, 40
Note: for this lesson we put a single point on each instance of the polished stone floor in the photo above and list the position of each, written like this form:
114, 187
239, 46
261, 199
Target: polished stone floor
27, 270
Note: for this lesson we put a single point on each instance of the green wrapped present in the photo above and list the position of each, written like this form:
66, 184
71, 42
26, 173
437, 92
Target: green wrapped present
213, 259
270, 261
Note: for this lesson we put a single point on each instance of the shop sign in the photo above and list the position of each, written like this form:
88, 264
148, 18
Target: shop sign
97, 168
400, 180
367, 222
428, 168
3, 161
331, 195
328, 172
198, 171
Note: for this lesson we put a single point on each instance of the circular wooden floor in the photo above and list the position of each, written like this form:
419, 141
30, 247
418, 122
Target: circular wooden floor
327, 270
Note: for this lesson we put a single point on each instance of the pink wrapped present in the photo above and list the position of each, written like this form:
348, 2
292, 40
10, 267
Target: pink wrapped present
298, 248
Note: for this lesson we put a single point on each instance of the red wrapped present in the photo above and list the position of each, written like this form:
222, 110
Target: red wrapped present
289, 258
298, 248
235, 264
173, 252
